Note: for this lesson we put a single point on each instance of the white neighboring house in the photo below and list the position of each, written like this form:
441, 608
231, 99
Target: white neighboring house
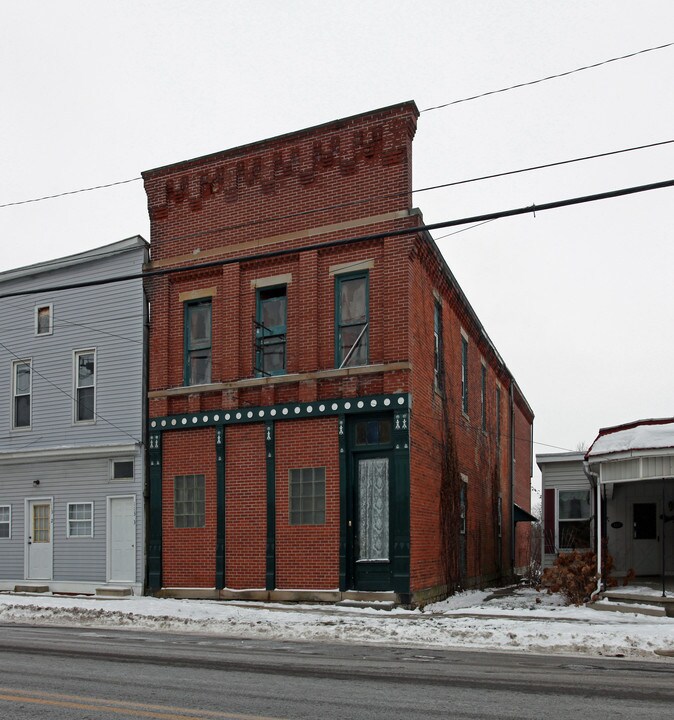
72, 422
627, 479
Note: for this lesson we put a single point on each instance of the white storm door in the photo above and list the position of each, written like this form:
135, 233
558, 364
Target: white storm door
122, 539
40, 540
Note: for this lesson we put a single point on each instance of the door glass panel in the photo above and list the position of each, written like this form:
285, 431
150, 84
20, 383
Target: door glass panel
373, 509
41, 529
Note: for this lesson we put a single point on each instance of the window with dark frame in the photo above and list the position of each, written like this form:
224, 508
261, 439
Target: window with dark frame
198, 338
85, 385
43, 320
306, 501
437, 336
351, 307
80, 519
464, 375
5, 521
122, 469
270, 331
483, 392
373, 432
21, 391
189, 501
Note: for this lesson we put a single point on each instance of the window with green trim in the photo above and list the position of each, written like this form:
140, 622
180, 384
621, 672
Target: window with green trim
270, 331
351, 320
437, 335
198, 342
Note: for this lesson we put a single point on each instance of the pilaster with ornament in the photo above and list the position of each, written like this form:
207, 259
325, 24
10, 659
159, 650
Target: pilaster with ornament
220, 494
154, 580
270, 581
401, 521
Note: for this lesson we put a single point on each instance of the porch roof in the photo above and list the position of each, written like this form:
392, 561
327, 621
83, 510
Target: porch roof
642, 450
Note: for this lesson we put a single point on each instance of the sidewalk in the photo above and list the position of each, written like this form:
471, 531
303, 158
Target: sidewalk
518, 619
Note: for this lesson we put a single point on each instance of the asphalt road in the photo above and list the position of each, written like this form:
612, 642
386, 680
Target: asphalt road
56, 673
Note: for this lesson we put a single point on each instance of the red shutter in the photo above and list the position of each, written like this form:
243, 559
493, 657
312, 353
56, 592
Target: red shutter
549, 520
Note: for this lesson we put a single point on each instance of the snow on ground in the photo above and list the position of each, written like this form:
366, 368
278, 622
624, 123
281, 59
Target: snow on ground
518, 620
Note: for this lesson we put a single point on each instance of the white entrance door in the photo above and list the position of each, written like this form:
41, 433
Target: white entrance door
646, 549
39, 566
122, 539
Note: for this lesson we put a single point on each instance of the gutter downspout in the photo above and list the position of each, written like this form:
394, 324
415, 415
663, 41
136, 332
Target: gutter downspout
593, 477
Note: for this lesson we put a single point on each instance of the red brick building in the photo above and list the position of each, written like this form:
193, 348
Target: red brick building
327, 413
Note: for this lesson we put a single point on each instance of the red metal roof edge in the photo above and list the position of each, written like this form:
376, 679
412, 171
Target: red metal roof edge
628, 426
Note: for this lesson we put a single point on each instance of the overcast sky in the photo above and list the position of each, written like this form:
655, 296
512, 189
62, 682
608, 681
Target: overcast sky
578, 301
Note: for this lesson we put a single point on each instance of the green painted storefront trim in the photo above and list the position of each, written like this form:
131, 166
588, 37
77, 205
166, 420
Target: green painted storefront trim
154, 579
343, 499
286, 411
220, 525
270, 438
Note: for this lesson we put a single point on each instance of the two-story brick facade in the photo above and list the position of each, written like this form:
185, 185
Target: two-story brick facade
327, 414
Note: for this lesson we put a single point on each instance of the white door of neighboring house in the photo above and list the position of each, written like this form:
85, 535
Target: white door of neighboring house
39, 540
122, 539
646, 550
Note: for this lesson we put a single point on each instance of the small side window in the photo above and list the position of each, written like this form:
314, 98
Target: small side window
121, 470
43, 319
81, 519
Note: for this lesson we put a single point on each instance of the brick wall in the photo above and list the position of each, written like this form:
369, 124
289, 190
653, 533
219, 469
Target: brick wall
307, 556
188, 554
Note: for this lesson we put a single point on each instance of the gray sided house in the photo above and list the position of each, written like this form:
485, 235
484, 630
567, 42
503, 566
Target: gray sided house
71, 422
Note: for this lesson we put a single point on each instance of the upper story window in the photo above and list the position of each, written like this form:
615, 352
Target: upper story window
437, 335
43, 319
85, 385
270, 331
498, 417
483, 398
21, 393
464, 375
121, 469
198, 342
352, 309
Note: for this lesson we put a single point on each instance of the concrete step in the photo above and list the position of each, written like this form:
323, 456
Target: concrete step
113, 591
374, 604
31, 588
643, 609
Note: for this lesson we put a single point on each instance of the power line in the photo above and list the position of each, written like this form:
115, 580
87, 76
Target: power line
549, 77
349, 241
69, 192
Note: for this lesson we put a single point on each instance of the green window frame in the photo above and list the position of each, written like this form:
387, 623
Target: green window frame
352, 311
198, 342
483, 393
437, 337
464, 375
271, 319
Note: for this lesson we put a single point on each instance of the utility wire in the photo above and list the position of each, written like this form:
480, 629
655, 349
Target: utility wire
69, 192
549, 77
349, 241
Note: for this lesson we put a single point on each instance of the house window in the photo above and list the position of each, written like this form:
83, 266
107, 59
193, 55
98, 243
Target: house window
483, 398
5, 521
80, 519
464, 375
270, 331
43, 320
189, 501
121, 469
21, 391
307, 496
498, 417
351, 301
85, 385
437, 335
198, 342
574, 511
